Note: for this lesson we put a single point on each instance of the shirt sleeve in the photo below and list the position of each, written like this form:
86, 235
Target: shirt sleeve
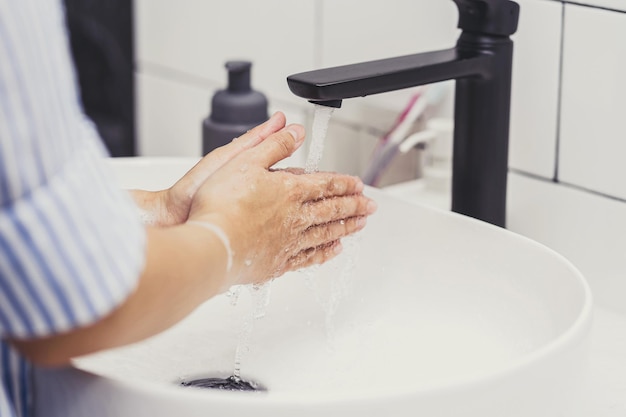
71, 243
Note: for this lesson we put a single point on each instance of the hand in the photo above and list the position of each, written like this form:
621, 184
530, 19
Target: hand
275, 221
171, 206
279, 220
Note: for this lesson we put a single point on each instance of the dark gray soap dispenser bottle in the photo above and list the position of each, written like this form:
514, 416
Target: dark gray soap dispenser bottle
234, 110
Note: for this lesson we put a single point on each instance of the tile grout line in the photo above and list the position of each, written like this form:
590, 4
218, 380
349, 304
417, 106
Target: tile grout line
593, 6
559, 103
172, 74
580, 188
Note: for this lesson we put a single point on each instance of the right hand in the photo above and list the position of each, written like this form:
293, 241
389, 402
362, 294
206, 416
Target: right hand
279, 220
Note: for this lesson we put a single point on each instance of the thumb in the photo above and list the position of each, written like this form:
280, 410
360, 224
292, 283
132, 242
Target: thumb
279, 146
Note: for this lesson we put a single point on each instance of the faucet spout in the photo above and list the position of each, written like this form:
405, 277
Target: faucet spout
373, 77
481, 64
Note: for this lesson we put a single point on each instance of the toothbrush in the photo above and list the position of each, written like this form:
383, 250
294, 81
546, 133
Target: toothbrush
390, 143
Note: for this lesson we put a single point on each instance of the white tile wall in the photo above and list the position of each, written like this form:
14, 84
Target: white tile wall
593, 136
182, 47
356, 31
169, 116
353, 28
610, 4
535, 88
198, 36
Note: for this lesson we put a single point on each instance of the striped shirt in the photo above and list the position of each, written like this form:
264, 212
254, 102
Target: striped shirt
71, 244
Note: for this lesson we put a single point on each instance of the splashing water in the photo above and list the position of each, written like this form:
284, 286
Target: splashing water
340, 285
260, 300
233, 293
321, 118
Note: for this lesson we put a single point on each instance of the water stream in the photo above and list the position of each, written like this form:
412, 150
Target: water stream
321, 118
339, 285
261, 293
260, 299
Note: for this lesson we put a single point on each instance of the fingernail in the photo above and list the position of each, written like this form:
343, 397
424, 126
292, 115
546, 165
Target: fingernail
297, 132
359, 186
372, 207
274, 115
361, 222
338, 248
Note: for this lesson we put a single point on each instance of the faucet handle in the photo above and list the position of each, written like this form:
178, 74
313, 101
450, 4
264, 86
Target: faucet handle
488, 17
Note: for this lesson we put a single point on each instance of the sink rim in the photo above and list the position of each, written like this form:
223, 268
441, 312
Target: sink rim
577, 330
579, 327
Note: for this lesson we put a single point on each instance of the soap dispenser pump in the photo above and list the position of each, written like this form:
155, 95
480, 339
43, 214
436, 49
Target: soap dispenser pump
234, 110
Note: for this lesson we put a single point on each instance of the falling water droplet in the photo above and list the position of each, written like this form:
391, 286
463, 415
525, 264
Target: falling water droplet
233, 293
260, 300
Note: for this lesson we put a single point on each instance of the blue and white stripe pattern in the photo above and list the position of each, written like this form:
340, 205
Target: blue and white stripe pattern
71, 243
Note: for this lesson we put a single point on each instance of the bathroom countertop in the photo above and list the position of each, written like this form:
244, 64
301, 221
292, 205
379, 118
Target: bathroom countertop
607, 367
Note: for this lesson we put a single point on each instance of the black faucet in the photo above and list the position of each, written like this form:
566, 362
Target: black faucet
481, 65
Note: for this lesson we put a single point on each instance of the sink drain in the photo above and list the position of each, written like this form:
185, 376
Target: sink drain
232, 383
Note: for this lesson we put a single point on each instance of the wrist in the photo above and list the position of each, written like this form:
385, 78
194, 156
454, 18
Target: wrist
222, 237
191, 257
175, 204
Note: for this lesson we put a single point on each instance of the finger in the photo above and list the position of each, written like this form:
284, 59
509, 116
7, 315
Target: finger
312, 256
323, 185
324, 234
338, 208
278, 146
214, 160
217, 158
261, 132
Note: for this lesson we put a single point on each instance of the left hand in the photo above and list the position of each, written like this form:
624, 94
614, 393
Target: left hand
171, 206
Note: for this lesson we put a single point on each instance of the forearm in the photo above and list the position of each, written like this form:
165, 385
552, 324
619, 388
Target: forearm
185, 265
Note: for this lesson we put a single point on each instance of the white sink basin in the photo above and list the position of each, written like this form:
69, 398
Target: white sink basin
443, 316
